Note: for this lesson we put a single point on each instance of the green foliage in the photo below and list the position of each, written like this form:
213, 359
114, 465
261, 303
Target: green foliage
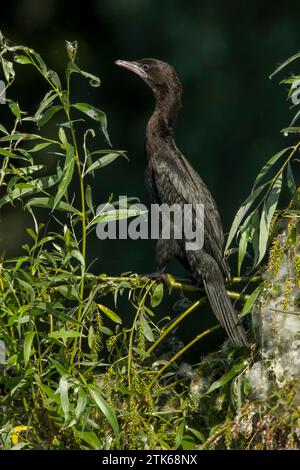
76, 375
252, 224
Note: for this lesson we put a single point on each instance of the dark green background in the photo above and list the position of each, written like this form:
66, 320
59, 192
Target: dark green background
232, 113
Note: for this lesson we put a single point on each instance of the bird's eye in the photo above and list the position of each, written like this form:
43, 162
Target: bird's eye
146, 67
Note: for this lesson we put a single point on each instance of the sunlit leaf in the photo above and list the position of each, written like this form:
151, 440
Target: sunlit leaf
108, 312
95, 114
67, 174
27, 346
106, 409
266, 216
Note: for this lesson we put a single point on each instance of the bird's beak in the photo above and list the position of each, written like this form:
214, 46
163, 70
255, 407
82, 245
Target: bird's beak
133, 67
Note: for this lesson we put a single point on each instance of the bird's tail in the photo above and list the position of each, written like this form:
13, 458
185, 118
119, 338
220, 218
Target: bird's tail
224, 311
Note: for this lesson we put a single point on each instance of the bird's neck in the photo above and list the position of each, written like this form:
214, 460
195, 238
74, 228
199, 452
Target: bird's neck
167, 104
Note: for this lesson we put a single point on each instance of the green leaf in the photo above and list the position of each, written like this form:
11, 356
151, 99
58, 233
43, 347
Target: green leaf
15, 108
48, 114
89, 198
251, 301
35, 186
66, 174
95, 114
90, 438
48, 202
290, 179
8, 69
40, 146
157, 295
64, 395
115, 214
72, 67
285, 63
107, 410
269, 164
45, 103
81, 403
7, 153
198, 434
243, 243
241, 214
54, 78
64, 334
179, 435
110, 314
102, 162
147, 331
266, 216
22, 59
235, 370
27, 346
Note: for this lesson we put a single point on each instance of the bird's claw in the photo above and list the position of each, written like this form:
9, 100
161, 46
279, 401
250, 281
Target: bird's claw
159, 276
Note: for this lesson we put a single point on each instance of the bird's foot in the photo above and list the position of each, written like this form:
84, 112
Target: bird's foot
159, 276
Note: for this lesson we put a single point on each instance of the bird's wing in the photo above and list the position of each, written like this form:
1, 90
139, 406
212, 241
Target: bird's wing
178, 182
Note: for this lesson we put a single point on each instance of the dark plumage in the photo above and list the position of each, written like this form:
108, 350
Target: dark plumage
171, 179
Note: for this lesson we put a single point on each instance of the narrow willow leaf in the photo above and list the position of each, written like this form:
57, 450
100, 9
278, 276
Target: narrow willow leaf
266, 216
66, 174
61, 369
146, 328
8, 69
110, 314
48, 202
157, 295
40, 146
62, 137
198, 434
67, 291
96, 114
290, 179
241, 214
64, 395
72, 67
27, 346
90, 437
255, 234
291, 130
179, 435
64, 334
38, 60
236, 369
48, 114
50, 393
19, 136
105, 330
106, 409
243, 243
7, 153
54, 78
2, 129
45, 103
22, 59
116, 214
91, 337
102, 162
285, 63
15, 108
89, 198
269, 165
251, 301
81, 403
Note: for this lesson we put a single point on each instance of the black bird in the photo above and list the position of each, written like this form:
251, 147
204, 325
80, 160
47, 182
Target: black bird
171, 179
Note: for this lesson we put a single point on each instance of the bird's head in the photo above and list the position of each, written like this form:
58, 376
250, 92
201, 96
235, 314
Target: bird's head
159, 75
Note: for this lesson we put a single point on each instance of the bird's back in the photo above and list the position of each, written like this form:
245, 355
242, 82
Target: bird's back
171, 179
